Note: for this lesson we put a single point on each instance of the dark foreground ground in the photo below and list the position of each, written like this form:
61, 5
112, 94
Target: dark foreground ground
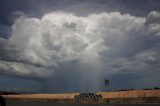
49, 103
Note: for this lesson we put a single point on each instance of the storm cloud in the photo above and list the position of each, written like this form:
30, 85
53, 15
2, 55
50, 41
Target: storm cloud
67, 51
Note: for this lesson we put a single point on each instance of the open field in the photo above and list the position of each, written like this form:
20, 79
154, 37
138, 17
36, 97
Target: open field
136, 96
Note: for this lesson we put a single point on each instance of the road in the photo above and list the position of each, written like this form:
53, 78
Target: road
49, 103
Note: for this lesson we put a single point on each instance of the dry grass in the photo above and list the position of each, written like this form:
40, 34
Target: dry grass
131, 94
105, 95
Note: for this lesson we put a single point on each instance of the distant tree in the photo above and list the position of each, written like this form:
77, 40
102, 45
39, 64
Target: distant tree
156, 88
147, 88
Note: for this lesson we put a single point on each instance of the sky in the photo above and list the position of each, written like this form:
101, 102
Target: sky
58, 46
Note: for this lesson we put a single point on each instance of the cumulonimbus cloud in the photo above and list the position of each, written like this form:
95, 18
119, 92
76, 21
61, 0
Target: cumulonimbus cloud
100, 44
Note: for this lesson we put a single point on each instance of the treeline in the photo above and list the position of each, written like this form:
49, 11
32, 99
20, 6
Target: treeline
7, 93
155, 88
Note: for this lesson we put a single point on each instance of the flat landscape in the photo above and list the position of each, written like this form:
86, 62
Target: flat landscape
122, 98
105, 95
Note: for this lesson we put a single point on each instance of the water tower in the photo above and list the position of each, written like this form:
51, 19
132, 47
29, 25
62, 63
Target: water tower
106, 82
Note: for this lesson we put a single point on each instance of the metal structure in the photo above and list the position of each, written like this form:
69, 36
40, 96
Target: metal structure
106, 82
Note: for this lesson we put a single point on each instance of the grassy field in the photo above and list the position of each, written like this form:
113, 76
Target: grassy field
135, 96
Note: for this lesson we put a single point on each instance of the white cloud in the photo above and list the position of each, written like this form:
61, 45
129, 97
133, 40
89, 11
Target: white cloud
101, 43
153, 17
